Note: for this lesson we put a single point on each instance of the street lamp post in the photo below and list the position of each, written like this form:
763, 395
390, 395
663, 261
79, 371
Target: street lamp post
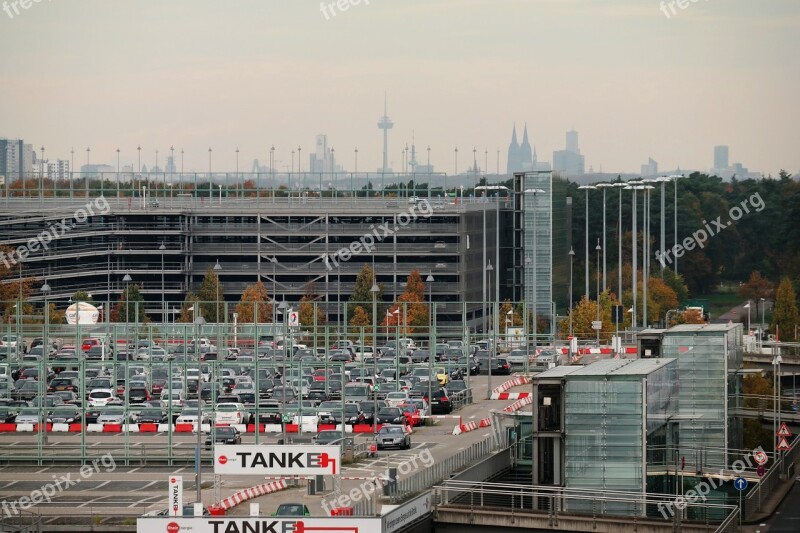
217, 268
675, 178
598, 288
763, 303
604, 186
571, 260
490, 348
431, 348
619, 186
374, 290
587, 188
45, 352
161, 249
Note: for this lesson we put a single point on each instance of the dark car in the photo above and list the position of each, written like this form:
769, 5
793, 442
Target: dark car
420, 356
391, 415
330, 436
439, 402
64, 384
292, 509
138, 395
501, 367
152, 415
28, 390
8, 414
471, 363
393, 437
224, 435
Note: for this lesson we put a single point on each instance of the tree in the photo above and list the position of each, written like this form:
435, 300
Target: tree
758, 390
254, 300
516, 316
188, 309
307, 311
687, 316
212, 300
756, 288
130, 307
410, 310
585, 312
82, 296
677, 284
361, 293
785, 316
361, 319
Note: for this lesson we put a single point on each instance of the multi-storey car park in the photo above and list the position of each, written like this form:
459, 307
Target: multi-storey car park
167, 242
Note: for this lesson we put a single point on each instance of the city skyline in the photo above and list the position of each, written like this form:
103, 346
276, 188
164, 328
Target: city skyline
256, 83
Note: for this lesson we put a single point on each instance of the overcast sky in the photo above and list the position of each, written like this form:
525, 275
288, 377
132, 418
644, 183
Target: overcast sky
251, 73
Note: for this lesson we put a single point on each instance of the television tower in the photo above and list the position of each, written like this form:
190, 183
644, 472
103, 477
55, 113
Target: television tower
385, 124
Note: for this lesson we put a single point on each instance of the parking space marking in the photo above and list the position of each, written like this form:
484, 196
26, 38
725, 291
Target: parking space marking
45, 469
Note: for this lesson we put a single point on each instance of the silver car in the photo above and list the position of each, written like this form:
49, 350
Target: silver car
116, 415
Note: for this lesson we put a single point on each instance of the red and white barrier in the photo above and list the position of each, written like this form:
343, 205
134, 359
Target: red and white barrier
510, 395
511, 383
519, 404
472, 426
252, 492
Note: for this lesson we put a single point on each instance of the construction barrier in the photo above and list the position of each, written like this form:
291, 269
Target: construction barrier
519, 404
511, 383
252, 492
509, 395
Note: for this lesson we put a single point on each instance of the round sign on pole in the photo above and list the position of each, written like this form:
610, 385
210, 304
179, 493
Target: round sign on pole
760, 457
761, 470
740, 483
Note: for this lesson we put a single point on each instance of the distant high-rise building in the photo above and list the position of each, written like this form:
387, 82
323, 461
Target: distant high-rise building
170, 169
385, 124
572, 142
650, 168
323, 160
58, 169
16, 158
569, 161
721, 157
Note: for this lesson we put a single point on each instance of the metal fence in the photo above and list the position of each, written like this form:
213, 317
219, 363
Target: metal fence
552, 501
429, 477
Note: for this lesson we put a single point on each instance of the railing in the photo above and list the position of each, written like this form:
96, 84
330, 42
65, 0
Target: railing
20, 522
777, 474
597, 503
441, 470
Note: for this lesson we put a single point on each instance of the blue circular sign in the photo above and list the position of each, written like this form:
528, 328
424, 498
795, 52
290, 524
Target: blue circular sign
740, 483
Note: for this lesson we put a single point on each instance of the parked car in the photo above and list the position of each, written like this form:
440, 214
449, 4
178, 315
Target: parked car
391, 415
439, 402
223, 435
330, 436
393, 437
501, 367
116, 415
230, 413
152, 415
102, 397
65, 414
292, 509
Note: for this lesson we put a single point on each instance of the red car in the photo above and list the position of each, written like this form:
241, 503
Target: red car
89, 343
321, 375
412, 414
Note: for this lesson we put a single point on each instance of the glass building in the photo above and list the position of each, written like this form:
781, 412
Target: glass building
709, 357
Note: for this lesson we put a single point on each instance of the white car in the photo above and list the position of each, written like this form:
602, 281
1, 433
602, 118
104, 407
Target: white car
174, 397
518, 357
102, 397
189, 416
230, 413
116, 415
394, 399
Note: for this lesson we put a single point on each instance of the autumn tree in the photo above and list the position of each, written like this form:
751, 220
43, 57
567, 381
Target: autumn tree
516, 316
785, 315
687, 316
18, 285
188, 309
130, 307
308, 310
212, 299
758, 390
254, 300
757, 287
82, 296
585, 312
409, 311
361, 293
361, 319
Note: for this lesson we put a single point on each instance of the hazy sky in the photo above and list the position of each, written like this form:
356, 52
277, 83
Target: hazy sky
252, 73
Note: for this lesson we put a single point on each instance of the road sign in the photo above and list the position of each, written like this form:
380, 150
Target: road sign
783, 445
262, 524
175, 495
277, 460
761, 457
294, 319
783, 431
761, 470
740, 483
597, 324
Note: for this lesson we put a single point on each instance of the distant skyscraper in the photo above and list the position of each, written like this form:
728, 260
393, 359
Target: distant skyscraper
16, 158
385, 124
322, 160
572, 142
650, 168
58, 169
170, 169
570, 161
721, 157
